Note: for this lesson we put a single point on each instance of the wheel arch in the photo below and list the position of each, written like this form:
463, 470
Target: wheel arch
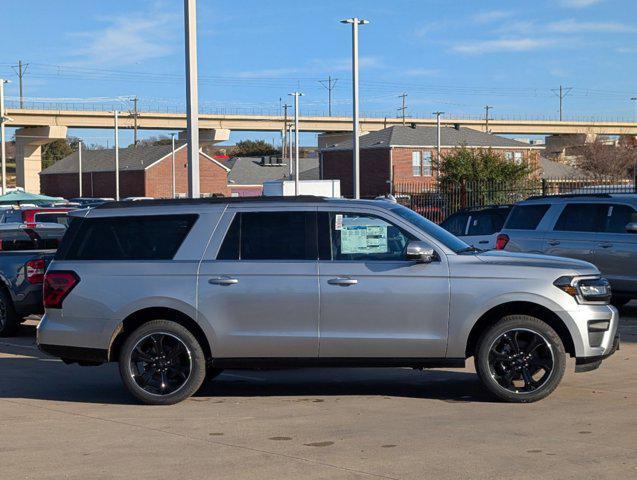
491, 316
138, 318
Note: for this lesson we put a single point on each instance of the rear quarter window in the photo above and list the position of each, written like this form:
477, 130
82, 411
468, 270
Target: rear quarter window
156, 237
525, 217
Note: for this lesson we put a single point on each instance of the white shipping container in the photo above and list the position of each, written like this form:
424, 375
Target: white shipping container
319, 188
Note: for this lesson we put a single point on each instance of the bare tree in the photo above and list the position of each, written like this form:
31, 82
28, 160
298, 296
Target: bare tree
599, 159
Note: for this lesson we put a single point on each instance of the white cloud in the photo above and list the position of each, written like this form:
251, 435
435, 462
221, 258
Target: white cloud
128, 39
574, 26
579, 3
502, 45
492, 16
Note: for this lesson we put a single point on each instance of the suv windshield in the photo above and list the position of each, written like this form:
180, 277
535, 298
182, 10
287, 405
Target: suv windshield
430, 228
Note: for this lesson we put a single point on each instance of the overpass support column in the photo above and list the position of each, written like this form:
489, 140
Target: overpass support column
28, 154
209, 136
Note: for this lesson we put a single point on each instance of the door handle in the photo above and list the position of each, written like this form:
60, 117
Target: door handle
554, 242
483, 241
343, 282
223, 281
605, 245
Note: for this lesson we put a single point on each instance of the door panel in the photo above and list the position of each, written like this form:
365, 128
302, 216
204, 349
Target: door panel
395, 308
261, 292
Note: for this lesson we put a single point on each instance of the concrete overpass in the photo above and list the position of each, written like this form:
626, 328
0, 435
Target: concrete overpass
246, 122
39, 127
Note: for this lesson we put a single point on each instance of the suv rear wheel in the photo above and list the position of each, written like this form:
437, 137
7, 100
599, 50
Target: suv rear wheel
520, 359
162, 363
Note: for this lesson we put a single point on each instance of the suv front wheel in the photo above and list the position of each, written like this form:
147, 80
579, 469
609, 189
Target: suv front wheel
520, 359
162, 363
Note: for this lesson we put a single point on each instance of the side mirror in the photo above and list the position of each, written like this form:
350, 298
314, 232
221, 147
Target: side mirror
420, 252
631, 227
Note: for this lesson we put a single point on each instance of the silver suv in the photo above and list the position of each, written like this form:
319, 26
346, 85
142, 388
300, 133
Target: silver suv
178, 290
599, 228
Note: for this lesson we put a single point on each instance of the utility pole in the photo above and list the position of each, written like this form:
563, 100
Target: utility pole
192, 98
561, 93
79, 166
404, 107
486, 117
331, 83
3, 136
135, 113
20, 69
296, 96
285, 132
356, 181
172, 135
116, 156
634, 99
438, 141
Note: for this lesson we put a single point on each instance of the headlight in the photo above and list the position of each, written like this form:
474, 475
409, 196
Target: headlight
585, 289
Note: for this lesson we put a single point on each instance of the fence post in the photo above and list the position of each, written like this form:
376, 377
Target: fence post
544, 187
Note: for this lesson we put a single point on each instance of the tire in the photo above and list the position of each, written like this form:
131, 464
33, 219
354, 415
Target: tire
520, 359
162, 363
9, 321
620, 301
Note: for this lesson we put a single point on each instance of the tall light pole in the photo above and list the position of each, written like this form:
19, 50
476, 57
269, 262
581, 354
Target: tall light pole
355, 22
438, 141
116, 156
79, 167
296, 96
290, 148
3, 140
192, 98
172, 141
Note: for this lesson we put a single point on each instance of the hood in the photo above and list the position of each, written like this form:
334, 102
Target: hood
514, 259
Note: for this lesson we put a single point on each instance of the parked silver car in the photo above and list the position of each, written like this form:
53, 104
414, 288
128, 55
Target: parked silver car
178, 289
599, 228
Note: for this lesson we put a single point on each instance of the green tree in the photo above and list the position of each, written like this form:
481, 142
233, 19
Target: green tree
253, 148
480, 177
57, 150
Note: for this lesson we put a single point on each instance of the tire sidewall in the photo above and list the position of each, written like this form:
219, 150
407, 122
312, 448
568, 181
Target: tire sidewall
536, 325
9, 324
198, 362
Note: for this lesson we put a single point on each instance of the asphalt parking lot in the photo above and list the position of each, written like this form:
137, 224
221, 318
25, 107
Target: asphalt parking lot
59, 421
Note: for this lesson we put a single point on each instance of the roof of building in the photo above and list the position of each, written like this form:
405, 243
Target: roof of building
130, 159
404, 136
551, 169
251, 171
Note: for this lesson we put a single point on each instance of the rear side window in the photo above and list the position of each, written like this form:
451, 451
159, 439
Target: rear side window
581, 217
270, 236
485, 223
155, 237
58, 217
526, 217
456, 224
618, 217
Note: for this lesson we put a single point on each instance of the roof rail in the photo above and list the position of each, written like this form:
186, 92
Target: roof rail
209, 200
574, 195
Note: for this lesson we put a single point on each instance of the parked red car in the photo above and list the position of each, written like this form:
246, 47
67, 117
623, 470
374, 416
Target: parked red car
33, 215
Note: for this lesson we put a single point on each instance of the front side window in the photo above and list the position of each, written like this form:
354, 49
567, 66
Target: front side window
617, 217
526, 217
362, 237
426, 164
581, 217
416, 164
156, 237
270, 236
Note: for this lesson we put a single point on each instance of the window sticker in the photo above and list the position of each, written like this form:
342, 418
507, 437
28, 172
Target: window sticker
358, 239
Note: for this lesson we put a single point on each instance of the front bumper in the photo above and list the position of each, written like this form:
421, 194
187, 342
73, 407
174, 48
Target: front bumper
586, 364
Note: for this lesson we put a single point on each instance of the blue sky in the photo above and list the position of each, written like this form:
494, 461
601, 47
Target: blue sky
452, 56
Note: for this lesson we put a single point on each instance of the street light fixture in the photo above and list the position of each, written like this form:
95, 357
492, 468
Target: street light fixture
355, 22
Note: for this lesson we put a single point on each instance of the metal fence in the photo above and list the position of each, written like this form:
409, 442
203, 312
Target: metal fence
439, 201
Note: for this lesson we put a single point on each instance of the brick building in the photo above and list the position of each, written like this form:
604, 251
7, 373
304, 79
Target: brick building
404, 154
144, 171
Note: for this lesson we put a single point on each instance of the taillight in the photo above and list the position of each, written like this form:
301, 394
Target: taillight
57, 285
35, 270
501, 241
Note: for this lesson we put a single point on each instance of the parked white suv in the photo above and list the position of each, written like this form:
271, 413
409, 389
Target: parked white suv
178, 289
